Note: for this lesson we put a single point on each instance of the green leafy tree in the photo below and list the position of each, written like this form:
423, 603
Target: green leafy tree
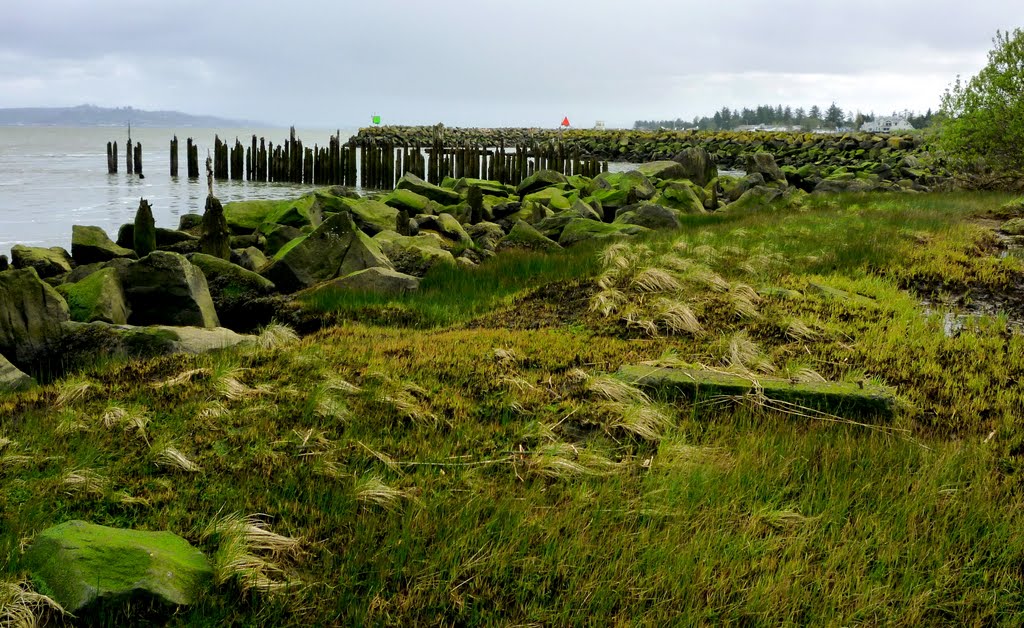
984, 117
834, 116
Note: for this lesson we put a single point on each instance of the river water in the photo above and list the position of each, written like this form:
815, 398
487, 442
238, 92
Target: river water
54, 177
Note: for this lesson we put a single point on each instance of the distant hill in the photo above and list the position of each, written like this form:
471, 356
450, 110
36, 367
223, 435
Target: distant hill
89, 115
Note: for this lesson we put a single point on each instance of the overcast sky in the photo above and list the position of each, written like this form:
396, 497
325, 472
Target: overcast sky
334, 63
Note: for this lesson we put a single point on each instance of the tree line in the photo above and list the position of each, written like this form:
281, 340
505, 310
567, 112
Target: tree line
810, 119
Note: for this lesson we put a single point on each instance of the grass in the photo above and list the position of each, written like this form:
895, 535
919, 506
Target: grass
445, 469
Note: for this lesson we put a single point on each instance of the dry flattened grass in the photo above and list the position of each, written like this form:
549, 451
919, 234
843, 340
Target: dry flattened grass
71, 390
171, 457
250, 554
799, 331
611, 388
276, 335
87, 481
182, 378
745, 356
10, 460
563, 461
641, 420
677, 317
132, 419
21, 607
373, 490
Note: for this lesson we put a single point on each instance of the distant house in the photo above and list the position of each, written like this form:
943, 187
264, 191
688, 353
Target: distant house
887, 124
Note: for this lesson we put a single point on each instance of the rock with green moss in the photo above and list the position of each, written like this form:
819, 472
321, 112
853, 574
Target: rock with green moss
447, 227
336, 248
91, 244
757, 198
98, 297
680, 196
229, 276
376, 280
636, 185
83, 343
581, 229
372, 217
549, 197
164, 288
414, 255
539, 180
764, 163
31, 312
1014, 227
435, 193
663, 169
493, 188
249, 258
79, 563
582, 209
12, 379
51, 262
486, 235
697, 165
408, 200
278, 236
244, 216
525, 236
648, 215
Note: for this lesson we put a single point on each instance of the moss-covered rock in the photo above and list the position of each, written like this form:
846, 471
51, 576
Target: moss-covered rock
31, 313
446, 226
663, 170
83, 343
250, 258
549, 197
494, 188
97, 297
12, 378
278, 236
697, 165
764, 164
680, 196
79, 563
50, 262
408, 200
336, 248
1014, 227
372, 217
376, 280
486, 235
164, 288
91, 244
435, 193
636, 185
539, 180
525, 236
413, 255
581, 229
232, 277
648, 215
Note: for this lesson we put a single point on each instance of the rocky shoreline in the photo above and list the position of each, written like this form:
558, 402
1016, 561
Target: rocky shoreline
222, 275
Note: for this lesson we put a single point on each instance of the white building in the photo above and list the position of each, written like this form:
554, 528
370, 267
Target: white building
887, 125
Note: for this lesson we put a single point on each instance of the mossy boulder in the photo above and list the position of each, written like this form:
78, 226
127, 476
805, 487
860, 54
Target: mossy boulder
435, 193
278, 236
525, 236
244, 216
447, 227
79, 563
375, 216
648, 215
757, 198
1014, 227
82, 343
581, 229
12, 379
764, 163
230, 277
539, 180
582, 209
408, 200
164, 288
91, 244
249, 258
698, 165
336, 248
635, 184
680, 196
188, 222
98, 297
413, 255
493, 188
734, 188
662, 170
549, 197
486, 235
31, 312
376, 280
51, 262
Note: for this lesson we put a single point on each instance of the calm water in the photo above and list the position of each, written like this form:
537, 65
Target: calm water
52, 178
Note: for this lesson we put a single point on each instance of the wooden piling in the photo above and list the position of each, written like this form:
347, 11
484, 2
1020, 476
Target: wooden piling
138, 158
174, 156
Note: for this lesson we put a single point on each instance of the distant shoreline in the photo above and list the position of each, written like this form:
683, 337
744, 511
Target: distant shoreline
85, 116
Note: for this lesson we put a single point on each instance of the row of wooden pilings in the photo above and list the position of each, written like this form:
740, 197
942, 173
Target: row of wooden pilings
370, 164
133, 157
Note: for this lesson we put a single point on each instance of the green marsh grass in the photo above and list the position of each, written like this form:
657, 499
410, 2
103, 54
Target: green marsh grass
431, 472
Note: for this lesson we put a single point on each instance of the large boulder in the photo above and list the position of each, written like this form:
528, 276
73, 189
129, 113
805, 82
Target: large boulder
91, 244
635, 184
581, 229
12, 379
525, 236
698, 166
82, 343
680, 196
377, 280
486, 235
164, 288
446, 226
756, 198
80, 563
408, 200
539, 180
250, 258
372, 217
1014, 227
230, 277
50, 262
413, 255
97, 297
437, 194
764, 163
648, 215
663, 170
31, 312
336, 248
735, 188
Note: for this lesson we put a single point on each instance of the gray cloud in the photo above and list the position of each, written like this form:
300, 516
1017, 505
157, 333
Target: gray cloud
333, 63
